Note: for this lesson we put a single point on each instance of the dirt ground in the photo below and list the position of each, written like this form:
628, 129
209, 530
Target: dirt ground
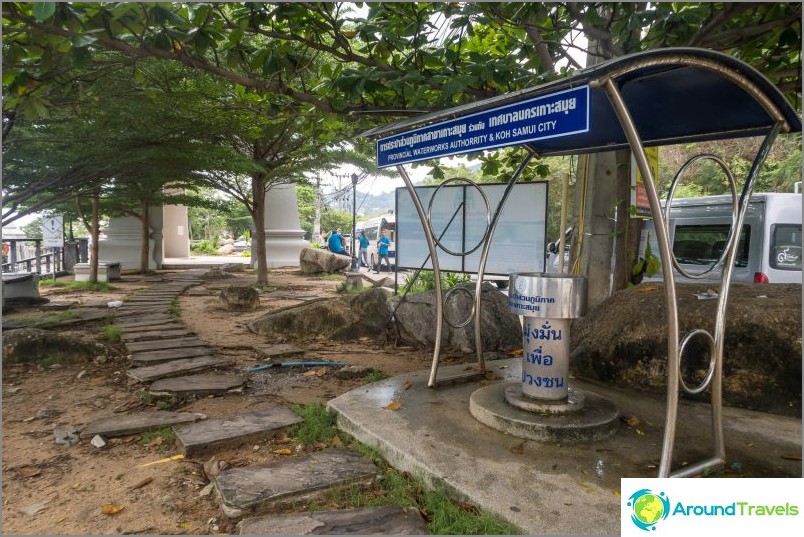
80, 489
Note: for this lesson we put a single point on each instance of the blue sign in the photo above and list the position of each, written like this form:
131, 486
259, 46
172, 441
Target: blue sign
562, 113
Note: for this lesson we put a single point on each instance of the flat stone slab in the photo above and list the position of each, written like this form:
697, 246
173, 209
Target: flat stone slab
150, 335
133, 320
125, 424
253, 490
123, 311
158, 357
140, 325
198, 291
176, 368
198, 438
204, 384
280, 350
385, 520
175, 343
59, 305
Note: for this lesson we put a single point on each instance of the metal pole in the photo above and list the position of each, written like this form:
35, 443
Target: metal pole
355, 267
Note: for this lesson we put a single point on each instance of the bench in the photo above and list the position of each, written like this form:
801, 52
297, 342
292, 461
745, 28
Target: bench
20, 285
107, 271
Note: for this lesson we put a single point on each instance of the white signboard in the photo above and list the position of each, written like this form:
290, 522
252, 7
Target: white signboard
458, 220
53, 232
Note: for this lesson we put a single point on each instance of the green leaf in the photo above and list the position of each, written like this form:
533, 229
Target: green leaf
42, 11
84, 40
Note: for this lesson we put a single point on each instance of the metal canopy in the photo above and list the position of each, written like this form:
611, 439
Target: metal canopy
675, 95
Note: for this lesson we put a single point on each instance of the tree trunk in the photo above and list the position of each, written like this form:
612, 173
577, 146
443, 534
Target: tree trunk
258, 217
146, 235
95, 231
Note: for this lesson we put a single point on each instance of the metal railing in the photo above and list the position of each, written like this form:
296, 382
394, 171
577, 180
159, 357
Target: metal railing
28, 255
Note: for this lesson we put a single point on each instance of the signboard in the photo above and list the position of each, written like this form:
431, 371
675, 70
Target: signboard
639, 196
558, 114
53, 232
458, 220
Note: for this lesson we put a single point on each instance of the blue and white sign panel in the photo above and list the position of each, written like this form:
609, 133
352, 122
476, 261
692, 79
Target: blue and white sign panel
558, 114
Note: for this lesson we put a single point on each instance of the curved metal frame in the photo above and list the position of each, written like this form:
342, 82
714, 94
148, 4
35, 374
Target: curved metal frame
673, 350
488, 214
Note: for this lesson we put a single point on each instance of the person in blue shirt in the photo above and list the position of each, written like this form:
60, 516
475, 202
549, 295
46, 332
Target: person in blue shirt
335, 243
382, 251
364, 244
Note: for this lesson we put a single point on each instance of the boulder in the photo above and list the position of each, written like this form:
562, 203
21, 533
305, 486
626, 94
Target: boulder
313, 261
623, 342
233, 267
500, 329
384, 282
236, 298
216, 274
341, 318
34, 345
226, 249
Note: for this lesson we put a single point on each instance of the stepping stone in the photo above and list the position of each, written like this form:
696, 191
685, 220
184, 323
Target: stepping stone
137, 325
59, 305
125, 424
163, 344
281, 350
208, 384
253, 490
158, 357
385, 520
176, 368
199, 438
131, 312
151, 335
198, 291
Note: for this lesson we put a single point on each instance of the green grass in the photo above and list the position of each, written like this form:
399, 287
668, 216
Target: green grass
166, 433
318, 424
375, 375
174, 310
112, 333
77, 286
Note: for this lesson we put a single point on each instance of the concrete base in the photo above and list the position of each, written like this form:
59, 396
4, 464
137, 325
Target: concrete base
20, 285
107, 271
573, 403
597, 420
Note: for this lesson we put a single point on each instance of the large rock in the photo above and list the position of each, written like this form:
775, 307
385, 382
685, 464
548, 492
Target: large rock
34, 345
341, 318
236, 298
313, 261
500, 330
623, 341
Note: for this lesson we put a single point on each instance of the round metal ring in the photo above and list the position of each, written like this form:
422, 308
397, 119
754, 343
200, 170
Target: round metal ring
732, 234
488, 215
709, 374
471, 314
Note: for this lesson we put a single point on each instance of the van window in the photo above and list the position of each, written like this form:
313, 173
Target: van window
702, 245
785, 251
371, 233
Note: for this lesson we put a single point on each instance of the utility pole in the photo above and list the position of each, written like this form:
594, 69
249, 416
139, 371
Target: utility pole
317, 221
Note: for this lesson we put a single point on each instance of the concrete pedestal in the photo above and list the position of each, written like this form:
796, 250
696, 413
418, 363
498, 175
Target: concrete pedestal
175, 231
284, 237
123, 240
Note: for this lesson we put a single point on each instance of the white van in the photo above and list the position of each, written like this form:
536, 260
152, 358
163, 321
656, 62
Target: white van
769, 249
373, 229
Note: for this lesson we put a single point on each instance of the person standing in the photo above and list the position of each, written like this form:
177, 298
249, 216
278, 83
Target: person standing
382, 251
364, 244
335, 243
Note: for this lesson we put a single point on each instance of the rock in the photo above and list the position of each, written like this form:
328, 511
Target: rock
46, 413
384, 282
216, 274
34, 509
81, 374
499, 328
233, 267
30, 345
352, 371
623, 342
226, 249
341, 318
240, 298
97, 441
66, 438
314, 261
197, 291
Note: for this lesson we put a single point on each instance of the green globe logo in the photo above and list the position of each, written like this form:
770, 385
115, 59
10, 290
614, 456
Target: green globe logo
648, 508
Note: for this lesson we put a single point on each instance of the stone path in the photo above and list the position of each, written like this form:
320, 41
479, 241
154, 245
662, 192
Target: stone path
164, 353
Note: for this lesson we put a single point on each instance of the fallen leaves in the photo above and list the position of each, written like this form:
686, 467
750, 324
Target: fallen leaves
283, 451
141, 483
161, 461
395, 405
407, 385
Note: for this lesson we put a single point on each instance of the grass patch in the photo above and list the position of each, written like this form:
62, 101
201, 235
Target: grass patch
331, 276
168, 437
112, 333
174, 310
375, 375
318, 424
77, 286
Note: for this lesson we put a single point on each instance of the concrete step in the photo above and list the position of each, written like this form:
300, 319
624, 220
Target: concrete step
160, 357
385, 520
163, 344
280, 350
167, 332
125, 424
234, 431
201, 384
255, 490
176, 368
146, 323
